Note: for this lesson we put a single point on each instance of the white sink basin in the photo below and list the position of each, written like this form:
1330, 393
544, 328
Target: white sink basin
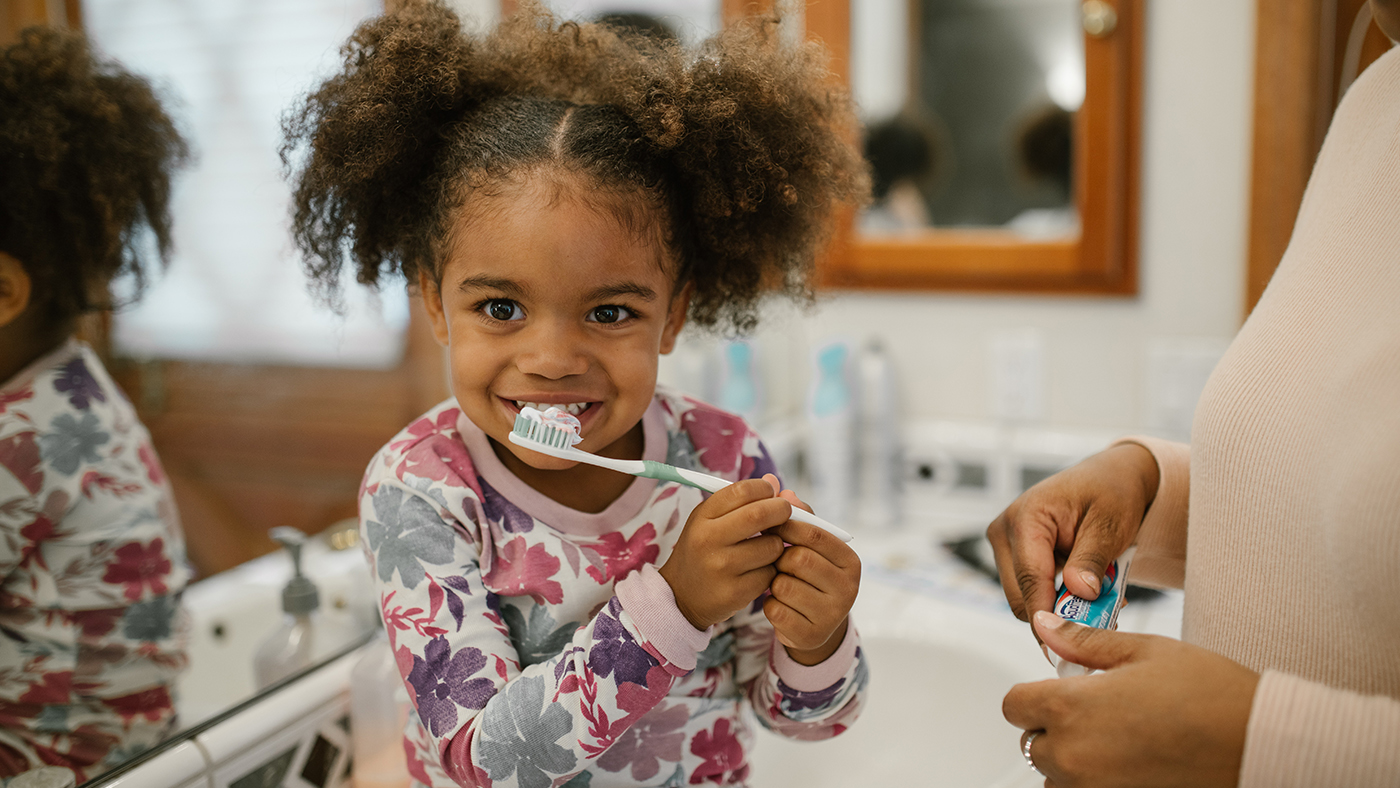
933, 712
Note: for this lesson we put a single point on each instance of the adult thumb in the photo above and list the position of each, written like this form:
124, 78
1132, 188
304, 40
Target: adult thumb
1097, 543
1094, 648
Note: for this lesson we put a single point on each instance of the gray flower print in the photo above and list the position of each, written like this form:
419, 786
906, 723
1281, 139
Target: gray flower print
536, 639
408, 532
680, 451
520, 736
719, 651
70, 442
150, 620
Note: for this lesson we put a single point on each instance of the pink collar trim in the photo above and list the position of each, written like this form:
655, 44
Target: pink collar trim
551, 512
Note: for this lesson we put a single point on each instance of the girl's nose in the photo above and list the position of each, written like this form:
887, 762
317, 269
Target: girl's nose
553, 350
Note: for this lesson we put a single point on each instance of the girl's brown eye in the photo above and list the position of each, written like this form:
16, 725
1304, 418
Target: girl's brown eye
610, 313
503, 309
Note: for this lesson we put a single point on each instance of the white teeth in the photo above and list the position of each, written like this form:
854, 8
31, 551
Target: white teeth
573, 408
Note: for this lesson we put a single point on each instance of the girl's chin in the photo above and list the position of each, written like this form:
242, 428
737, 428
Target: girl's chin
541, 462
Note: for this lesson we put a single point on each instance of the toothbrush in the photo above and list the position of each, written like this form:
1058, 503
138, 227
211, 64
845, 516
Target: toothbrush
555, 433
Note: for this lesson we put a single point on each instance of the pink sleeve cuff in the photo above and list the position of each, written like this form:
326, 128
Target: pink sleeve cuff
1304, 733
812, 678
1161, 542
647, 598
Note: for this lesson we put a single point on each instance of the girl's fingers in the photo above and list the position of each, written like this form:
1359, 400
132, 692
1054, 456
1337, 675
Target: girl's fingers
804, 598
743, 522
812, 567
753, 553
819, 541
736, 496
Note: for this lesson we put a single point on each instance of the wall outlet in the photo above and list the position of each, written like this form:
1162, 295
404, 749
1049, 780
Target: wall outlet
1017, 367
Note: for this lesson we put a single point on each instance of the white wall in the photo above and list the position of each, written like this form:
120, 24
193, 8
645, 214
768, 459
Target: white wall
1197, 126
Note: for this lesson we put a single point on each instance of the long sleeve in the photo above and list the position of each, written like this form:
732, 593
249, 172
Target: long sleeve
1161, 542
496, 718
1309, 735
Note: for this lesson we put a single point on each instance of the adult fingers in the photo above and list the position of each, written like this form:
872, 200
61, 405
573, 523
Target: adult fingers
1099, 649
1032, 552
1101, 537
1031, 706
1006, 569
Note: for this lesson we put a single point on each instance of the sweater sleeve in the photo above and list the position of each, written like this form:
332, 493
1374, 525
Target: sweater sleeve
1306, 734
1161, 542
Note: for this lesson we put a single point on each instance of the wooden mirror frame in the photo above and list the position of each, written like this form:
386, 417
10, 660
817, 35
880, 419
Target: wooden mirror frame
1102, 260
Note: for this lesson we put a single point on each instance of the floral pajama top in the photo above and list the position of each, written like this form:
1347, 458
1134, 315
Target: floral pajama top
92, 563
540, 645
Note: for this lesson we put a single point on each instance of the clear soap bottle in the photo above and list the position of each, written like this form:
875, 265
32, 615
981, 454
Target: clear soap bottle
291, 647
379, 709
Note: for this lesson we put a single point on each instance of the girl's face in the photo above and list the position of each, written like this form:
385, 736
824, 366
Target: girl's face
545, 301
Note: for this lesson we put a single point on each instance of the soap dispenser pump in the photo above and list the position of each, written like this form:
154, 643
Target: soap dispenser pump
289, 648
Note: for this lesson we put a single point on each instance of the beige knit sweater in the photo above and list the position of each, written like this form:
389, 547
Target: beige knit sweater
1290, 555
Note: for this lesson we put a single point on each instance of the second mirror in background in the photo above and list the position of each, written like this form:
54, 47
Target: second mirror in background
969, 106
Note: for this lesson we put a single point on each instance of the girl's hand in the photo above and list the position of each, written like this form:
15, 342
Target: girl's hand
818, 578
716, 569
1163, 714
1090, 513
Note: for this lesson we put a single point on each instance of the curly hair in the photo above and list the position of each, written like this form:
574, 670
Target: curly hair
86, 155
744, 145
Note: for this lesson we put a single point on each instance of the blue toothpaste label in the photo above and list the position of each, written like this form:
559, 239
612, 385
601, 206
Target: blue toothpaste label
1101, 612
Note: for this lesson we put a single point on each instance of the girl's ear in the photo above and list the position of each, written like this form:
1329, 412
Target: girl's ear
16, 288
675, 318
431, 294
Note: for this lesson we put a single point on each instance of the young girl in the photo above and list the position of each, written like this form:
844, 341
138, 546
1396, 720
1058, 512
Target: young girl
92, 561
564, 199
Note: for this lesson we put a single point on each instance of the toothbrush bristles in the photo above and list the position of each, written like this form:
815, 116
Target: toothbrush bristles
539, 432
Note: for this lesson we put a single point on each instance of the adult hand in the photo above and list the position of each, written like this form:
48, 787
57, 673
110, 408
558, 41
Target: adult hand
1163, 713
722, 562
1086, 516
816, 585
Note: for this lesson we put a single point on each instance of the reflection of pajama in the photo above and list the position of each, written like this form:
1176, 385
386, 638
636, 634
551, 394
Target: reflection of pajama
539, 643
92, 563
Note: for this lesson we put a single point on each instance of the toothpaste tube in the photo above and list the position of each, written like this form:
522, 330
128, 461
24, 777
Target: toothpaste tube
1101, 612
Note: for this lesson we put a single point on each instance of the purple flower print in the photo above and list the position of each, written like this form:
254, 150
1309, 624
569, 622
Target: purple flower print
77, 382
615, 650
796, 700
659, 736
751, 467
443, 681
511, 518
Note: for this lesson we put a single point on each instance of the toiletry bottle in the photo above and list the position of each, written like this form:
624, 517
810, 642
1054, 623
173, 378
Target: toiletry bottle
879, 450
739, 390
378, 713
831, 434
290, 647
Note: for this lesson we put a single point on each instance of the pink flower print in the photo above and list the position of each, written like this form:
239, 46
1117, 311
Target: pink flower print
138, 566
718, 437
440, 459
622, 556
656, 737
51, 688
520, 570
444, 422
153, 704
723, 755
149, 459
9, 398
20, 455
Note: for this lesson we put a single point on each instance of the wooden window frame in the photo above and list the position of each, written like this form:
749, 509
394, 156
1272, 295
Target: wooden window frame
1102, 260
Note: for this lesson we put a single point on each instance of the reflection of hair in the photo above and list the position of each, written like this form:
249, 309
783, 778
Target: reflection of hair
897, 149
740, 147
1046, 144
637, 23
86, 154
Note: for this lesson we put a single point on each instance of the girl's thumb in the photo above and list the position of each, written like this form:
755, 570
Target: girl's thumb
1094, 648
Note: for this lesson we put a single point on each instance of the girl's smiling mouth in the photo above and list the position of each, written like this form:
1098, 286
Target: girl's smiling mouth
581, 409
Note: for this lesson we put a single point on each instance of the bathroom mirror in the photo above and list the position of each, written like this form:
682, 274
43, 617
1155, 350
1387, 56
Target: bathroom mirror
1003, 138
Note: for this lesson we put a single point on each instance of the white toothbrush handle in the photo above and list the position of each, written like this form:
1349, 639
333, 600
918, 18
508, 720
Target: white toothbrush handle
714, 484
